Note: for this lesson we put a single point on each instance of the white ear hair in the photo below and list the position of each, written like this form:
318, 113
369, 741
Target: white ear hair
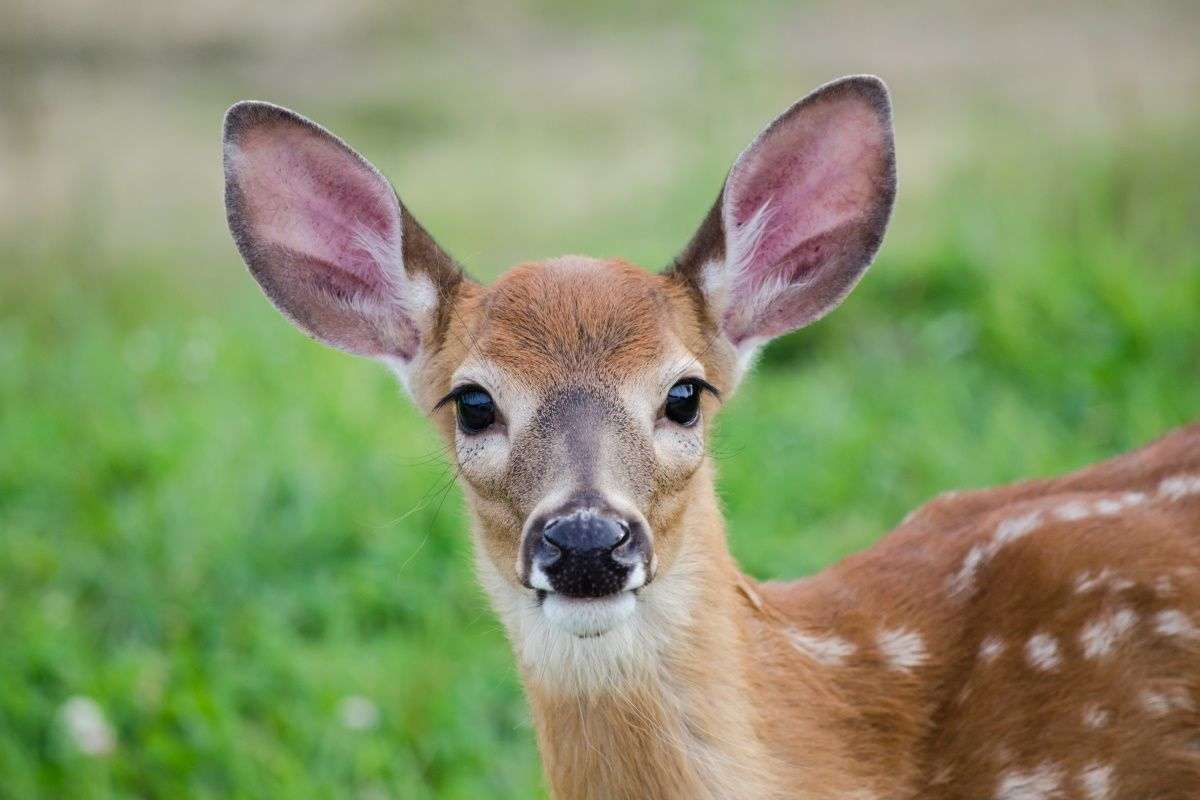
800, 217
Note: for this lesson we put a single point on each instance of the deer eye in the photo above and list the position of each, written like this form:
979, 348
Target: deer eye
683, 402
476, 409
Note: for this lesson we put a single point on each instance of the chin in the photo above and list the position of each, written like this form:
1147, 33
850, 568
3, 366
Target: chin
578, 646
588, 617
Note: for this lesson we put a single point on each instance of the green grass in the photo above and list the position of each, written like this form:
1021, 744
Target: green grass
219, 530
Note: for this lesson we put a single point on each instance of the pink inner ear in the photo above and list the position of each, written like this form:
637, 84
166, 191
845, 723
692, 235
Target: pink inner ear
311, 196
813, 172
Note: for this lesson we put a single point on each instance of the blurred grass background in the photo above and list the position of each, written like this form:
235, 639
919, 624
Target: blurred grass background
231, 563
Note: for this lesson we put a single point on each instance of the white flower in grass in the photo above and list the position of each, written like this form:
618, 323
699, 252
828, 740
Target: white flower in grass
90, 732
358, 713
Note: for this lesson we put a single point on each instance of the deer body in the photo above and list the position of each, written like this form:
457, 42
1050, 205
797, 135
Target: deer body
1031, 642
912, 670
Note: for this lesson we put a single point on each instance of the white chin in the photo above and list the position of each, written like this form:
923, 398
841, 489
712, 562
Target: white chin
588, 616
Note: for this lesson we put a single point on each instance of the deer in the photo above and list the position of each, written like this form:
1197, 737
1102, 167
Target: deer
1034, 641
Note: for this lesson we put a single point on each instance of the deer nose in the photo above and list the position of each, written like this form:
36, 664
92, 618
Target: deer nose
586, 553
585, 533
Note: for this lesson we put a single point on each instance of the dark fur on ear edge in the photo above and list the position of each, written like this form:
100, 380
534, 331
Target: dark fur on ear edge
419, 252
708, 244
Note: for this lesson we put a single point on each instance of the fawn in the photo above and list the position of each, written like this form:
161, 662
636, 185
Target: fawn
1028, 642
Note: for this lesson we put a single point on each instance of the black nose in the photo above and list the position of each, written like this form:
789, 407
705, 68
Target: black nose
585, 553
584, 533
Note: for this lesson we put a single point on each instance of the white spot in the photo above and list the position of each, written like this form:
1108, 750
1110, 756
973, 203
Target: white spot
1089, 581
87, 726
1042, 783
1100, 635
1174, 622
964, 580
902, 649
1008, 531
1042, 652
1096, 781
1163, 586
990, 649
1073, 510
830, 650
1178, 487
1159, 704
1130, 499
358, 713
1017, 527
1096, 716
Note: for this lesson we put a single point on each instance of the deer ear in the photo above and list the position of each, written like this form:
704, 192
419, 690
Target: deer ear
801, 214
325, 236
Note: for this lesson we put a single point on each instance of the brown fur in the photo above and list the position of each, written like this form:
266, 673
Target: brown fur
736, 710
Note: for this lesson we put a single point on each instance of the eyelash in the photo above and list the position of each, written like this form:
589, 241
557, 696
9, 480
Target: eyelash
453, 395
703, 384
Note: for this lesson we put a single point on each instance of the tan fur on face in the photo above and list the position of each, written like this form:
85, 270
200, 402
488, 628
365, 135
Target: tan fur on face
577, 316
575, 325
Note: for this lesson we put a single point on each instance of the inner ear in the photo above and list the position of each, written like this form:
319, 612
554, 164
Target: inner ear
801, 214
324, 234
814, 170
302, 192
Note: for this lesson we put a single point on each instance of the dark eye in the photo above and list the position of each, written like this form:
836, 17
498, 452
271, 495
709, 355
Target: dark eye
683, 403
476, 410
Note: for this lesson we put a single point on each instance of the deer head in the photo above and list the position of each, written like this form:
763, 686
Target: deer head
576, 393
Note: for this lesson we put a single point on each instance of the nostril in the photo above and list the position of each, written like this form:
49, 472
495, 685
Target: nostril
555, 535
547, 552
625, 534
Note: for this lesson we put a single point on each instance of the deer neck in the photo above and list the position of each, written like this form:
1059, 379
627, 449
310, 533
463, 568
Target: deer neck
693, 701
665, 708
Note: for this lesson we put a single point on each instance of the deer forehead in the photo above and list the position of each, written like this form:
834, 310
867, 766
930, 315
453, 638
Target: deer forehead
570, 322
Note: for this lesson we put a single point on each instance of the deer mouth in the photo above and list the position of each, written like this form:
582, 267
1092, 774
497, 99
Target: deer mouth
587, 617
